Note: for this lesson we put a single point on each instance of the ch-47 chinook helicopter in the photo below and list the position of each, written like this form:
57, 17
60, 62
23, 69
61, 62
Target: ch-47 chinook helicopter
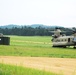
60, 40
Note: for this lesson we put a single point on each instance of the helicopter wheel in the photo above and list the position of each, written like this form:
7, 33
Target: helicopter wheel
53, 46
64, 46
74, 47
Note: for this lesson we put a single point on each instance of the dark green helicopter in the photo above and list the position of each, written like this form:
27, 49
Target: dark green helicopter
4, 40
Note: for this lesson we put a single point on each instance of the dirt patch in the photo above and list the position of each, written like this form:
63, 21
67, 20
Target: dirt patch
65, 66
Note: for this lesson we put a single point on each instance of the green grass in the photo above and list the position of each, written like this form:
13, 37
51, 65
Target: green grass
18, 70
35, 46
32, 46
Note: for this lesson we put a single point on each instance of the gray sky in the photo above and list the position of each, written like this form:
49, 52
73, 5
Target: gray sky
47, 12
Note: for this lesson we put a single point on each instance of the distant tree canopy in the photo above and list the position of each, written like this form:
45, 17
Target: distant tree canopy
29, 31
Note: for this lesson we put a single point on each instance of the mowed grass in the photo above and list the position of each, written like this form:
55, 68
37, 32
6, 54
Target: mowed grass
18, 70
35, 46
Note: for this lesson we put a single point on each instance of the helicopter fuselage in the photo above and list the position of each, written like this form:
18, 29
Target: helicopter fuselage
64, 41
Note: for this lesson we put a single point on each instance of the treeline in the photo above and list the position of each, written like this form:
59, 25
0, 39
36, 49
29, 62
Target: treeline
29, 31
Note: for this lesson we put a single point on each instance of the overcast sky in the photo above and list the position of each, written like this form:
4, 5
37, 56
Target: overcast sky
47, 12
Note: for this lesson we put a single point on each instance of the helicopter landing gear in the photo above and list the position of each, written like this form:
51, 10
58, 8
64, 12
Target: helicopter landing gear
74, 47
64, 46
60, 46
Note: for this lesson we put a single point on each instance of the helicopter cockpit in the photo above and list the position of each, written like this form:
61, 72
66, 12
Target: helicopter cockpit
4, 40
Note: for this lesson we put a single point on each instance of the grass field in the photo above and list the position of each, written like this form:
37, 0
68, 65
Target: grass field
35, 46
32, 46
18, 70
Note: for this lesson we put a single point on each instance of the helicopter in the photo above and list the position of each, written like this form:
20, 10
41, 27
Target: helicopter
61, 40
4, 40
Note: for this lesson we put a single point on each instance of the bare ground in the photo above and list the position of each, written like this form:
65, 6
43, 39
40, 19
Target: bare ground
65, 66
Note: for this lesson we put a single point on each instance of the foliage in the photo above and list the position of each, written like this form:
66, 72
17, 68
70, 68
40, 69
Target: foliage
30, 31
18, 70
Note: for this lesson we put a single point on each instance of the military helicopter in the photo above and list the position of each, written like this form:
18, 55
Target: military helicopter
4, 40
61, 40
